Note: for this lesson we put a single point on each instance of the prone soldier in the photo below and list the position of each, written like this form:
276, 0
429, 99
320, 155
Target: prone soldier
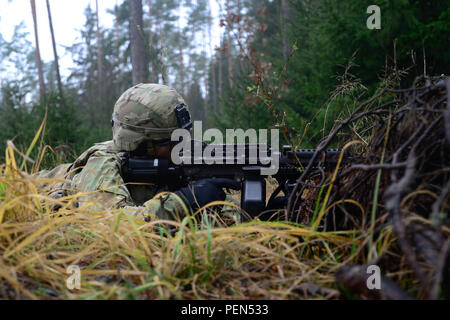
143, 119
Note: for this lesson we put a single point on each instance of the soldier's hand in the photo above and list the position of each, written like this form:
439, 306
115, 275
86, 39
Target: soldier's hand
205, 191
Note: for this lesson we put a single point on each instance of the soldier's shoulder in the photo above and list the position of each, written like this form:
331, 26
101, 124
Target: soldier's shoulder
106, 148
99, 150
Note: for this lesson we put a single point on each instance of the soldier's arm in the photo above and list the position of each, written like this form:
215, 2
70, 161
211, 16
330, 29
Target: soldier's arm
100, 179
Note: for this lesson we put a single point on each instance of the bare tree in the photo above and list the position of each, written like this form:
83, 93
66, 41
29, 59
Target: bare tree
205, 79
220, 75
238, 3
284, 17
181, 56
230, 60
99, 60
116, 31
139, 66
213, 61
181, 67
55, 53
38, 54
191, 39
150, 28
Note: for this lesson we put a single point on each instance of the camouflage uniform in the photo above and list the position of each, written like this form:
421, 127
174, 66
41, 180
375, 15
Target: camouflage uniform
98, 170
143, 112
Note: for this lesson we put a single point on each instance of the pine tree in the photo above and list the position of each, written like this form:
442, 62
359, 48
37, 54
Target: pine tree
99, 61
138, 56
38, 54
55, 53
212, 66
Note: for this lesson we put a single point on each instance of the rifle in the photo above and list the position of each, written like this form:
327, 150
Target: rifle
239, 162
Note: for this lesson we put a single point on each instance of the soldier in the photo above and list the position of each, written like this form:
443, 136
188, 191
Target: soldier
143, 120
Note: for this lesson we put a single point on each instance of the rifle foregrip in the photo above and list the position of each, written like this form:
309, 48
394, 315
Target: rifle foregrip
253, 197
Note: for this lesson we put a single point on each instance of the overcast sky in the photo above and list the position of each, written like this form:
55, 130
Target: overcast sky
67, 16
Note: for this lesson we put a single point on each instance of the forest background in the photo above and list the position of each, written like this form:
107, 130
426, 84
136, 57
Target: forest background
297, 65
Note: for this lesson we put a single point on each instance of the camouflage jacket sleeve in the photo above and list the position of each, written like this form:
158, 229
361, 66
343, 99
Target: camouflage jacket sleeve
96, 177
101, 177
101, 174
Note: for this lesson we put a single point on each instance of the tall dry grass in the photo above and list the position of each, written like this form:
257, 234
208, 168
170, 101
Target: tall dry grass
123, 257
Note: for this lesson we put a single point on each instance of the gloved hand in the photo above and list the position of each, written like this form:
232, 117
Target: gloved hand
205, 191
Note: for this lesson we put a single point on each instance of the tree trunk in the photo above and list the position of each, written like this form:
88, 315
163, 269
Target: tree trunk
212, 64
55, 53
117, 34
180, 46
239, 23
150, 27
189, 68
38, 54
230, 60
284, 15
220, 75
205, 72
163, 64
220, 71
139, 66
99, 62
181, 67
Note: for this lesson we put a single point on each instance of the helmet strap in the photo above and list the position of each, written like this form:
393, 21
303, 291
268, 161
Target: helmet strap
183, 117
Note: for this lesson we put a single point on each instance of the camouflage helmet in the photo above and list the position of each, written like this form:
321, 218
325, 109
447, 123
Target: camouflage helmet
147, 112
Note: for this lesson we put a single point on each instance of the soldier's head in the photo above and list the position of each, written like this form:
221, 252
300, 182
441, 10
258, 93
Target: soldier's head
145, 116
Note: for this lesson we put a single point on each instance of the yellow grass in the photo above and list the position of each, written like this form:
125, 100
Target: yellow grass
122, 257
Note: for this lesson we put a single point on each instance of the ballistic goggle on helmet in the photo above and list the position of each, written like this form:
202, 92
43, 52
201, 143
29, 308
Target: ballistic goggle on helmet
148, 112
